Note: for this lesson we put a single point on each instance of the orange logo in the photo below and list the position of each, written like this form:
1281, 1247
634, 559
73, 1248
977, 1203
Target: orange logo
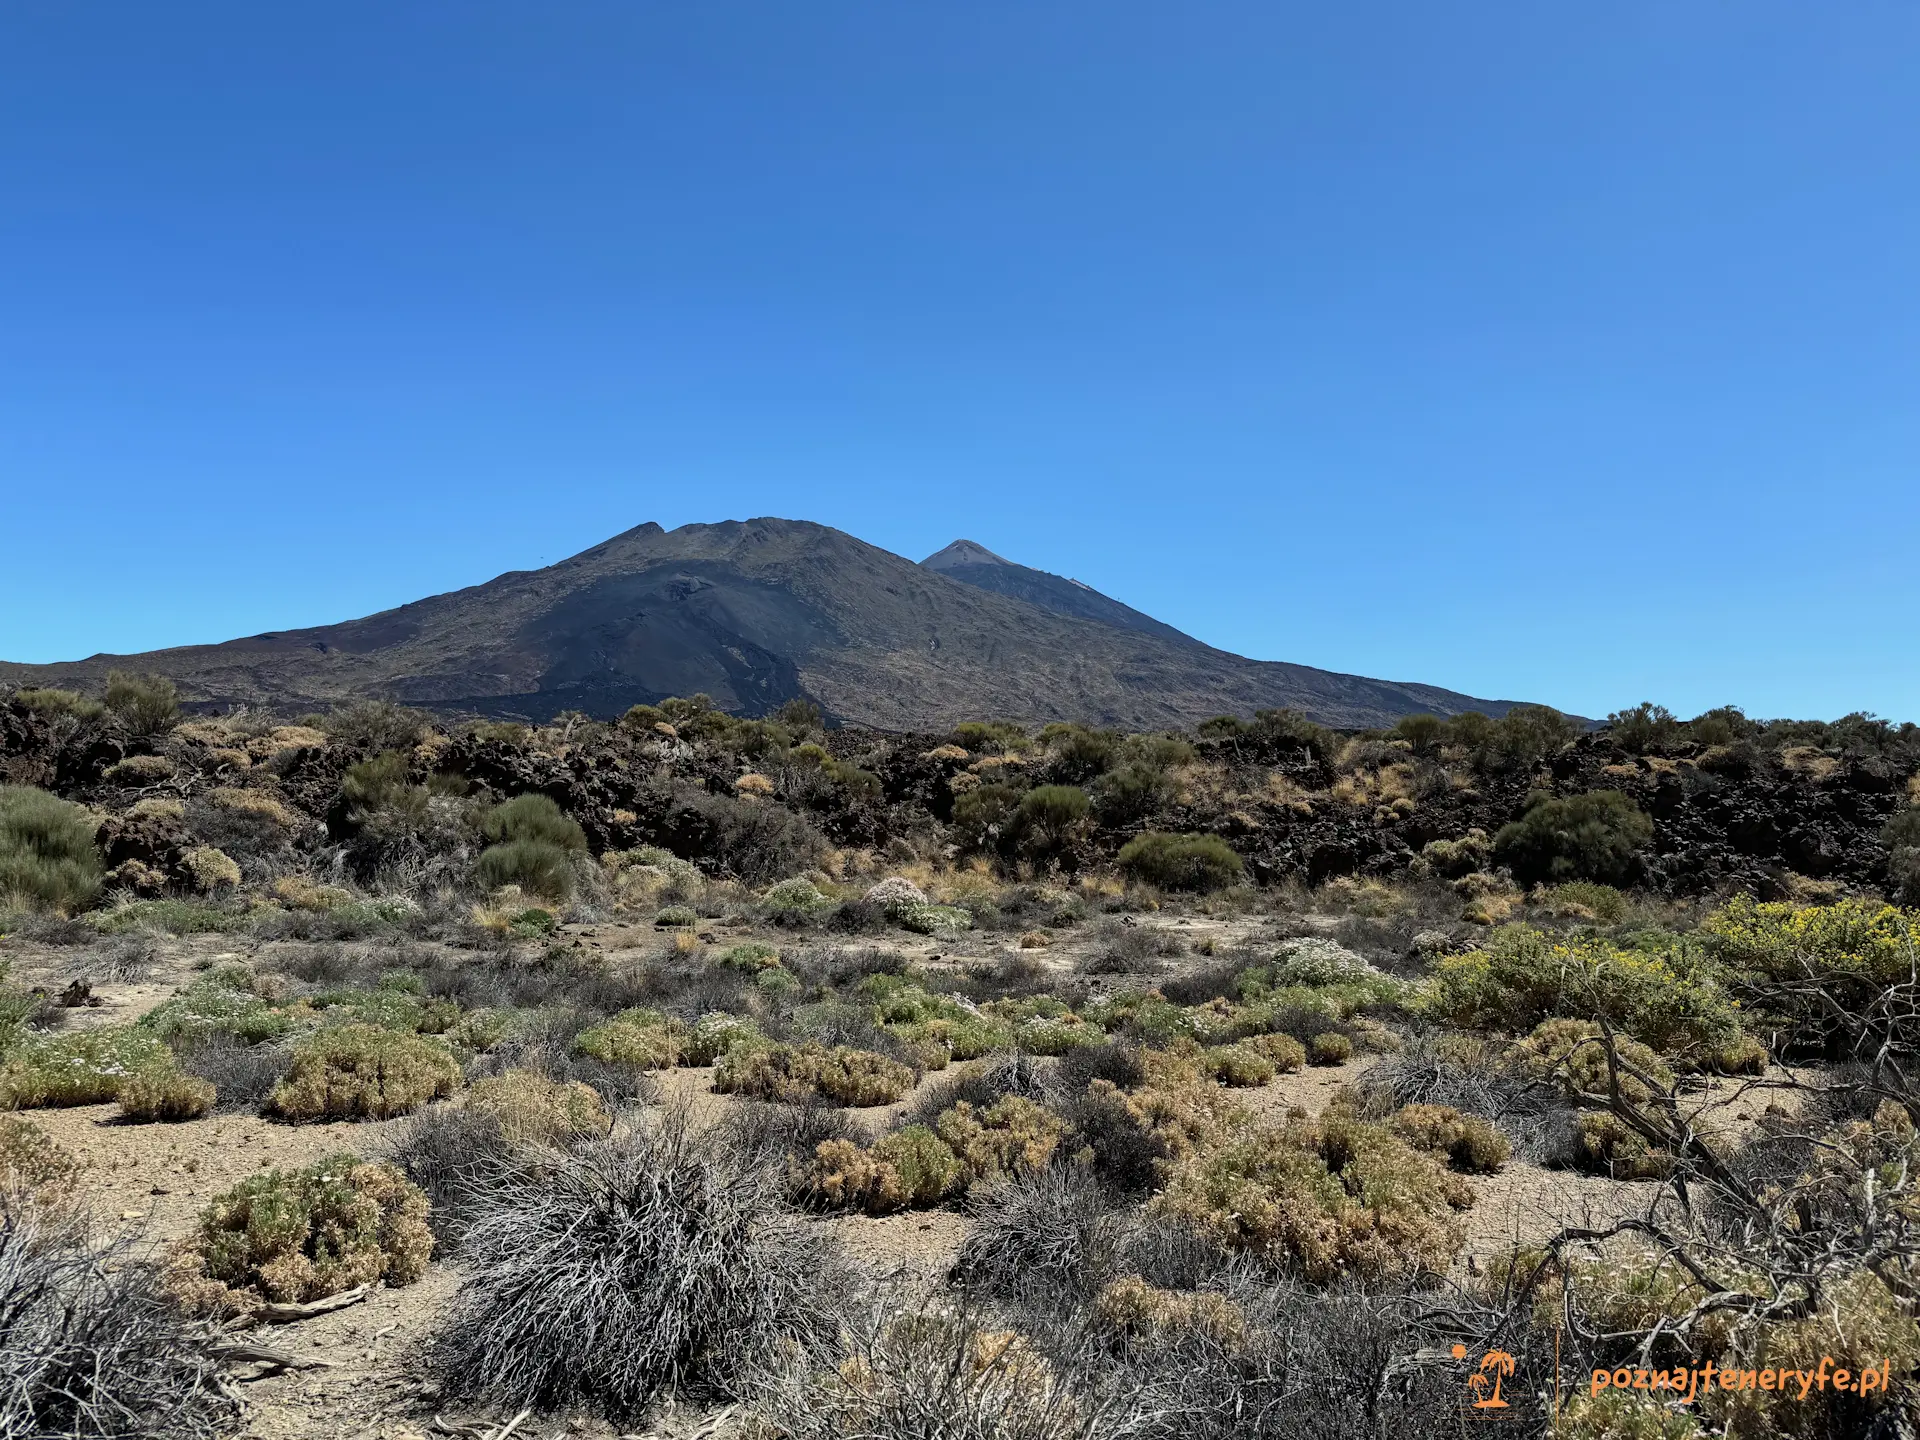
1495, 1366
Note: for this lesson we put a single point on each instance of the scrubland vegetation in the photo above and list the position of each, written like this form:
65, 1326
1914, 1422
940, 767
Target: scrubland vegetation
1209, 1047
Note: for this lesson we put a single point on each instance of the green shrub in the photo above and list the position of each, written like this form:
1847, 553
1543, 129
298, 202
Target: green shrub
939, 1028
1802, 964
1605, 1145
387, 1006
1601, 902
301, 1235
532, 845
674, 917
535, 866
1202, 863
379, 784
1595, 836
1129, 794
533, 818
138, 770
911, 1167
798, 897
1044, 1025
934, 919
983, 818
797, 1072
1330, 1048
162, 1092
1238, 1065
47, 856
372, 725
84, 1067
535, 921
639, 1039
45, 701
1572, 1053
354, 1072
174, 917
927, 1167
776, 981
1333, 1199
1146, 1016
717, 1033
751, 956
1283, 1052
1050, 819
1646, 728
148, 704
1667, 996
989, 737
219, 1003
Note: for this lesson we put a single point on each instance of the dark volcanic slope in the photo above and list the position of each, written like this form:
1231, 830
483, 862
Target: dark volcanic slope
754, 613
974, 564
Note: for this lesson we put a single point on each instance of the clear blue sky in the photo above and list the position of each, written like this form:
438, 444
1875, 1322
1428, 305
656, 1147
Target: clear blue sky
1562, 352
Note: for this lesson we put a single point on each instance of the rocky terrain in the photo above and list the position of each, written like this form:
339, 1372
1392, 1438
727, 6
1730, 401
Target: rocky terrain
699, 1075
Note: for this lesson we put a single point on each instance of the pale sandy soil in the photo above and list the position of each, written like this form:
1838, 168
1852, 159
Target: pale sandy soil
151, 1181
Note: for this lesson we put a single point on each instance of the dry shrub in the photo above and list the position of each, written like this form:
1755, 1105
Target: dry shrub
1330, 1048
1469, 1142
794, 1072
1042, 1235
1623, 1290
911, 1167
1178, 1106
1604, 1144
33, 1165
1573, 1053
650, 1261
926, 1376
302, 893
1238, 1065
355, 1072
161, 1092
1330, 1198
1475, 1076
1143, 1313
530, 1109
1009, 1137
257, 802
92, 1345
292, 1236
210, 869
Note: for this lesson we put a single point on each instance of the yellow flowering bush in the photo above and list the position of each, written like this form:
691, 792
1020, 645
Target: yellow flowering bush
1803, 968
1669, 999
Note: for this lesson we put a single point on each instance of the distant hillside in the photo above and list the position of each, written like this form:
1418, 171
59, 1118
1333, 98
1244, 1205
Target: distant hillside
755, 613
974, 564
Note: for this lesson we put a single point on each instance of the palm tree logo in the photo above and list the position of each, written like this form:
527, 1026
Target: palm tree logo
1498, 1364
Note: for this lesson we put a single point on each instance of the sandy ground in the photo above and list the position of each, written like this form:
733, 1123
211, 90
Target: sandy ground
150, 1182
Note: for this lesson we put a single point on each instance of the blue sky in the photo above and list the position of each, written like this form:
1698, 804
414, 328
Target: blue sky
1559, 352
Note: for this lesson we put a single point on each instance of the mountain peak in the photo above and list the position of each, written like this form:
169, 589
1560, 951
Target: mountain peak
963, 552
755, 613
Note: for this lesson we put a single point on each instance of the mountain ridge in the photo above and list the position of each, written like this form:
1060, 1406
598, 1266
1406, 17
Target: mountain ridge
756, 612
